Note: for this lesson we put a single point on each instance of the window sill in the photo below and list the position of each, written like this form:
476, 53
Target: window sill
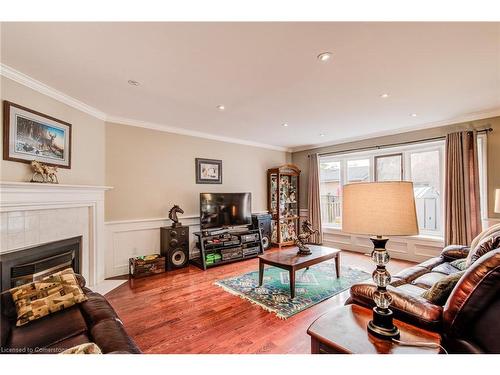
420, 237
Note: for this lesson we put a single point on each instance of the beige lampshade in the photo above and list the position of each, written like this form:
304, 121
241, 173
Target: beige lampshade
497, 201
379, 208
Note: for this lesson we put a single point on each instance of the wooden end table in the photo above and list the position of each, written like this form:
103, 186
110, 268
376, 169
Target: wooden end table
290, 261
343, 331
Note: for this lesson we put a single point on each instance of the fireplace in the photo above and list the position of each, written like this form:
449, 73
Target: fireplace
24, 266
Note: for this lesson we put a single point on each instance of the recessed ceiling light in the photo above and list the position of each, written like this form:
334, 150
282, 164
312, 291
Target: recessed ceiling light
133, 83
220, 107
321, 135
413, 115
285, 125
324, 56
384, 96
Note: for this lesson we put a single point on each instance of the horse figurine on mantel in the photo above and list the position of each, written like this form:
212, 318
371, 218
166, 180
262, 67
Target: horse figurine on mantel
172, 215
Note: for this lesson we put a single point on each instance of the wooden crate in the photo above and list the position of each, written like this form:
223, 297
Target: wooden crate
146, 265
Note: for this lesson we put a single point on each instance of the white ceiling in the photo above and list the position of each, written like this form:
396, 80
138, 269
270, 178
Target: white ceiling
267, 74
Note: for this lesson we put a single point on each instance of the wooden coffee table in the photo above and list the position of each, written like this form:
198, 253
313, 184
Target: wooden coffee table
290, 261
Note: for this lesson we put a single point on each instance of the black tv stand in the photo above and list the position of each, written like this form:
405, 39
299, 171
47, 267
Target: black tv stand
226, 245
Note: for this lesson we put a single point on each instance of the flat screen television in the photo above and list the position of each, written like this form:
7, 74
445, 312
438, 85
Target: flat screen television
219, 210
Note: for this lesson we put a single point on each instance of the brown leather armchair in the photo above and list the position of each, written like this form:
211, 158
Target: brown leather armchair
91, 321
468, 322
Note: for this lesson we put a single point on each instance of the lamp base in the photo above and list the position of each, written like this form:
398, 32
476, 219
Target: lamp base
381, 326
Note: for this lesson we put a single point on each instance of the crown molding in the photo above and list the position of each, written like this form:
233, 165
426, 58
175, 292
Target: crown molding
42, 88
456, 120
49, 91
191, 133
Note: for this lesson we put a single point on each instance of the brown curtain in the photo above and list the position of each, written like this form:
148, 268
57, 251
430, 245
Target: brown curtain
314, 198
462, 206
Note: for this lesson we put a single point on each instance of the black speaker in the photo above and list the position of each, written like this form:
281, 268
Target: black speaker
174, 243
263, 222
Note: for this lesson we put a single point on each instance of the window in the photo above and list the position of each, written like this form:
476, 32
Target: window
425, 172
389, 167
483, 178
331, 192
358, 171
422, 163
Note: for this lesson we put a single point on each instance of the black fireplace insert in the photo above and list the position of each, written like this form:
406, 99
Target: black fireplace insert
27, 265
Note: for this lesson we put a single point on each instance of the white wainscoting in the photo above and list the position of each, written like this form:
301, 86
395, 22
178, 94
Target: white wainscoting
413, 248
130, 238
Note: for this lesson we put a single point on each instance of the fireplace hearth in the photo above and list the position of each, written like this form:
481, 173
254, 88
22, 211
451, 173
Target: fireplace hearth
27, 265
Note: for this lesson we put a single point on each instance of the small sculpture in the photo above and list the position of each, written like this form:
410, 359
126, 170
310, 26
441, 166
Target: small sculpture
50, 174
172, 215
43, 173
303, 238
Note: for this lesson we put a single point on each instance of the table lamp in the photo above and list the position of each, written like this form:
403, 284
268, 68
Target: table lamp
380, 209
497, 201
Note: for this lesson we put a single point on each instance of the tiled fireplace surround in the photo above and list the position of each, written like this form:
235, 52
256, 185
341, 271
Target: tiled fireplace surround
33, 214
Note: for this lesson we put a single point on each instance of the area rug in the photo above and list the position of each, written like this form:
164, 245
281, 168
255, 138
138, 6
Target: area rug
312, 286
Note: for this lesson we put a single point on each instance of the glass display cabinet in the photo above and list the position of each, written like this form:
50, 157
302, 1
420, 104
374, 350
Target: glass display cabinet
283, 203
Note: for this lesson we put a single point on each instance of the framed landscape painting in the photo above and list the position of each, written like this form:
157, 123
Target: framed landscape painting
30, 135
208, 171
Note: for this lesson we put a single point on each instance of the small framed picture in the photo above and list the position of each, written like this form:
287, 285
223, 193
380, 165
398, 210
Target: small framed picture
30, 135
208, 171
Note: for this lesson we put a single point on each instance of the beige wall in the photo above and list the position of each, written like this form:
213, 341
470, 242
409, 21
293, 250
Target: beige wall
152, 170
300, 158
88, 153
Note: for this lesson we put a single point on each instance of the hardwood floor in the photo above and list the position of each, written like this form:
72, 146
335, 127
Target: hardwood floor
183, 312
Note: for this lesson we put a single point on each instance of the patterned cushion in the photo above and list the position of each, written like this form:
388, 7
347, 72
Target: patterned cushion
48, 295
87, 348
485, 245
460, 264
440, 291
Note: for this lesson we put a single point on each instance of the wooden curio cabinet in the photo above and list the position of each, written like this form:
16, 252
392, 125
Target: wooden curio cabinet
283, 203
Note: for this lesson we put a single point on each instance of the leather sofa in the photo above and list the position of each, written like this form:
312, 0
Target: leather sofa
91, 321
468, 321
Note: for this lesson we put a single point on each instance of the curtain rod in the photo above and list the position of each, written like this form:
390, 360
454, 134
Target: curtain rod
378, 147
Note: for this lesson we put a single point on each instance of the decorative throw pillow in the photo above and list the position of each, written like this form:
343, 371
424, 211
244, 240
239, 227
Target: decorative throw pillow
460, 264
50, 294
484, 246
440, 291
87, 348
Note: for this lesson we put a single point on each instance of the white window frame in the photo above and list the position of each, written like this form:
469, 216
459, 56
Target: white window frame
406, 150
441, 149
376, 157
356, 158
483, 176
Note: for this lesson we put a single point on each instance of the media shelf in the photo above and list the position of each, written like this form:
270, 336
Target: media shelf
226, 246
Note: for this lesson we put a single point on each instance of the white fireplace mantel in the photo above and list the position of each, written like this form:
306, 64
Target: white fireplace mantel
35, 213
